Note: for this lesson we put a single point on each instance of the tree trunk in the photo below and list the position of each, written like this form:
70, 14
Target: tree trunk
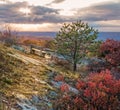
74, 57
74, 66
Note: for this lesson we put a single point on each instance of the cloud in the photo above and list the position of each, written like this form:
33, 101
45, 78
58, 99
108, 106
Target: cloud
98, 15
58, 1
55, 2
4, 1
9, 13
100, 12
40, 10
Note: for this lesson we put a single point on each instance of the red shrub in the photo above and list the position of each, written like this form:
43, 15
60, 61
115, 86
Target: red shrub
111, 50
100, 91
80, 84
59, 78
64, 88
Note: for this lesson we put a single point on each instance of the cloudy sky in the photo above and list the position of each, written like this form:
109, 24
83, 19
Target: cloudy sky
49, 15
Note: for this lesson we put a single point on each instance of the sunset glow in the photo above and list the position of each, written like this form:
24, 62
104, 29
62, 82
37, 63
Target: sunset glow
49, 27
26, 11
49, 15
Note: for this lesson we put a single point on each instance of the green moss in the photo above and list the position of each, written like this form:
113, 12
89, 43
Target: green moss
7, 80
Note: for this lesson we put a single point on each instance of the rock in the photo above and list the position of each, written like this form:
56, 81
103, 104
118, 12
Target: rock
25, 106
58, 84
73, 90
52, 95
35, 102
35, 99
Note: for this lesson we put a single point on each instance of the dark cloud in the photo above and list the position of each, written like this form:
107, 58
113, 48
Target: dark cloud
106, 11
58, 1
9, 13
40, 10
55, 2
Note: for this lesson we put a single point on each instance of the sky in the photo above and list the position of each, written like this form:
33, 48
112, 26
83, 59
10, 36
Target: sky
49, 15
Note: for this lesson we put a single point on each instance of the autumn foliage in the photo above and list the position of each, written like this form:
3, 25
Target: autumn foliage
59, 78
100, 91
111, 50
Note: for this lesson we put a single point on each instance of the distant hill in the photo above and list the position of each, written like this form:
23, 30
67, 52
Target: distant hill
101, 36
110, 35
38, 34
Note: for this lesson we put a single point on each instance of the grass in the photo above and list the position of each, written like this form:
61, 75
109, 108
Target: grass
19, 78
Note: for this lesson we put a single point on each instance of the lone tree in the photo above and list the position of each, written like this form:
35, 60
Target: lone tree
73, 41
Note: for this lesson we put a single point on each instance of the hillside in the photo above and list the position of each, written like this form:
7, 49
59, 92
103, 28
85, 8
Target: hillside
27, 81
31, 82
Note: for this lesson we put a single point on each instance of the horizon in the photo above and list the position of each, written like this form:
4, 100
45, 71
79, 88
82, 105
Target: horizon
56, 31
101, 35
49, 15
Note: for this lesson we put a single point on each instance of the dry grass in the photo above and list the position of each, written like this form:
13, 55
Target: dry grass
16, 77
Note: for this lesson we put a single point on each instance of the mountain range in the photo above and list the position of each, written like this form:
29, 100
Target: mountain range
101, 35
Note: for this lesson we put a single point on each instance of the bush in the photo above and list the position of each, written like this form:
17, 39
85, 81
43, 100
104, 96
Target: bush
110, 49
100, 91
59, 78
